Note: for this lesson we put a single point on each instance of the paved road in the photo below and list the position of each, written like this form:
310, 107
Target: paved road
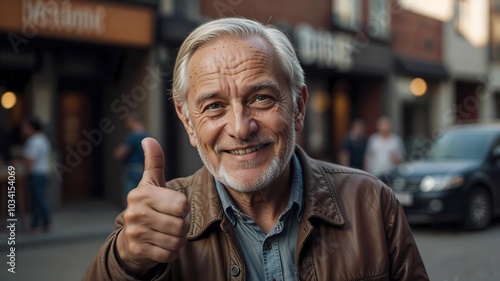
449, 254
62, 261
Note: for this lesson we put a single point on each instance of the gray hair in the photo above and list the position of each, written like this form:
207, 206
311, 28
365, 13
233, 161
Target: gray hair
241, 28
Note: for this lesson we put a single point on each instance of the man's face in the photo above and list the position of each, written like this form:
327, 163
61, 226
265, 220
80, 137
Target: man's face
384, 127
241, 118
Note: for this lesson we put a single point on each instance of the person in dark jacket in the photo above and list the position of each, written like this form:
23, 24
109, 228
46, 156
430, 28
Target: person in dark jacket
260, 208
352, 152
130, 152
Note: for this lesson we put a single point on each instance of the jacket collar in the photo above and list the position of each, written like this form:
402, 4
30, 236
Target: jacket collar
320, 200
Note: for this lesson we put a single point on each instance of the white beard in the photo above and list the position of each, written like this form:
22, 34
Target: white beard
276, 167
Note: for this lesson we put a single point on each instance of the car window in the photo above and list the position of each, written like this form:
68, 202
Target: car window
496, 146
461, 145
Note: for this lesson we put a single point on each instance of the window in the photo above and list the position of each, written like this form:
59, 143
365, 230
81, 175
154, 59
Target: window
471, 21
347, 13
379, 19
462, 15
495, 33
189, 9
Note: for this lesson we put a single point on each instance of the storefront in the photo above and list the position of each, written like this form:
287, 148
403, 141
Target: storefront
419, 91
346, 74
77, 65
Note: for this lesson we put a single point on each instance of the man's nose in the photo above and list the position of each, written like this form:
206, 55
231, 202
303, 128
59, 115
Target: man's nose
241, 124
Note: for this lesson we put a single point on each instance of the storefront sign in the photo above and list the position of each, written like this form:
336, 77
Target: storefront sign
77, 20
323, 48
64, 17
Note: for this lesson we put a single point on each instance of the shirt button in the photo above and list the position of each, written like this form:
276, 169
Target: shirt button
268, 246
235, 270
241, 218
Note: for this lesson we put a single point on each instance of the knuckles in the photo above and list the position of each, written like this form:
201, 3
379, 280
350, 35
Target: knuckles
137, 250
167, 256
181, 204
138, 194
135, 233
134, 214
175, 243
145, 194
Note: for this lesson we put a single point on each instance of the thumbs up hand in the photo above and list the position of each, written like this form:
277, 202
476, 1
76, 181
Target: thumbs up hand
155, 221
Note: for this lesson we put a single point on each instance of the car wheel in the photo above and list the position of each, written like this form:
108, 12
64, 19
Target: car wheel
478, 210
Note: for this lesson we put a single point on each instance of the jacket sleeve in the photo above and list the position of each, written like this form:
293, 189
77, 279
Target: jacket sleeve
405, 260
105, 265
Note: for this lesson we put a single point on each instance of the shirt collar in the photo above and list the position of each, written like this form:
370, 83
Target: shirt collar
296, 195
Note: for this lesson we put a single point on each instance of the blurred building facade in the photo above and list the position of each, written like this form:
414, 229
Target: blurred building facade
420, 73
362, 58
492, 86
425, 64
81, 67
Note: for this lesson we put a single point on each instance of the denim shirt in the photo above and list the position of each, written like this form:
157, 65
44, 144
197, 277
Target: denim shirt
268, 256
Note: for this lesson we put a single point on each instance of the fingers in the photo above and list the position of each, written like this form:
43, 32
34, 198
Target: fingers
156, 224
153, 245
154, 163
172, 242
156, 219
150, 199
151, 236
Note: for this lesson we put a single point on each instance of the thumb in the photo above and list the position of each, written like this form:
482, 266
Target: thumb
154, 163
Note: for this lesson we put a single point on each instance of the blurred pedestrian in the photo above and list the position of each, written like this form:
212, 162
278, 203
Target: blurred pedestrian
385, 149
36, 152
130, 152
353, 149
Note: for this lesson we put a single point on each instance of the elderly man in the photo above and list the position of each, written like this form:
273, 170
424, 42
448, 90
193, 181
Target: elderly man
260, 208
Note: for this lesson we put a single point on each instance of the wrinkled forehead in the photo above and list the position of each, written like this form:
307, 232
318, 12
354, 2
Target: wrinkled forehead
226, 51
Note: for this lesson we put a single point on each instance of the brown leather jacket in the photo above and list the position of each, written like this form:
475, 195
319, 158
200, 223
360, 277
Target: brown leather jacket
352, 228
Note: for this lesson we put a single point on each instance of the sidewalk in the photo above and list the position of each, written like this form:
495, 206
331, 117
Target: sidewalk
79, 220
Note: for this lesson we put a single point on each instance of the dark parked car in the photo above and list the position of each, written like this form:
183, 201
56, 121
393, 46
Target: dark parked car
458, 180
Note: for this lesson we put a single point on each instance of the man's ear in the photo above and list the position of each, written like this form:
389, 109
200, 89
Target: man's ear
301, 108
185, 121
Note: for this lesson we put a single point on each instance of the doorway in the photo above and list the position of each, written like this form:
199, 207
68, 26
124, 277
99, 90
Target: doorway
74, 116
82, 155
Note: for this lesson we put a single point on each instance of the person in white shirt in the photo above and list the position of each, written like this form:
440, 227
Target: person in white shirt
385, 150
36, 152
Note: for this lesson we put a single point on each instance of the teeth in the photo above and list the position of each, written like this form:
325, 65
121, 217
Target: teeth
245, 151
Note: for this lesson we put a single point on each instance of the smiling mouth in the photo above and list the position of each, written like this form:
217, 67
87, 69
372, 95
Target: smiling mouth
246, 151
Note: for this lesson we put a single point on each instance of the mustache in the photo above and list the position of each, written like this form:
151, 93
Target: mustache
252, 142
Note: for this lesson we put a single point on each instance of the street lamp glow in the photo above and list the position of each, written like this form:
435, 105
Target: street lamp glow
418, 87
9, 99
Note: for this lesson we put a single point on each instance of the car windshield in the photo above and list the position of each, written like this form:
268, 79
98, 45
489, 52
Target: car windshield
460, 145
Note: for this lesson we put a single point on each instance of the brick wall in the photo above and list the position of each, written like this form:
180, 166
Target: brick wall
417, 36
317, 12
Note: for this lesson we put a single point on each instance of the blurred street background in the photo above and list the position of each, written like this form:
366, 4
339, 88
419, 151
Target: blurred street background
83, 66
